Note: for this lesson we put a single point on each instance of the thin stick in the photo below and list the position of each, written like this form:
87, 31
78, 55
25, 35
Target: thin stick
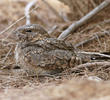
27, 9
83, 20
87, 65
93, 53
16, 21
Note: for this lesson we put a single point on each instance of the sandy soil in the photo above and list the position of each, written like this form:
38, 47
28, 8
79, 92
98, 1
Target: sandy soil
74, 86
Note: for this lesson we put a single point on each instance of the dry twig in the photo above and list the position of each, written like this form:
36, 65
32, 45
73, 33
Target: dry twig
93, 53
17, 21
88, 65
83, 20
27, 9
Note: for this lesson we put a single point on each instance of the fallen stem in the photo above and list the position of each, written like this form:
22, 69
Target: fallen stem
83, 20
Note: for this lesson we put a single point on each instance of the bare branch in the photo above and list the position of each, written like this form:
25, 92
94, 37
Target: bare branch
87, 65
27, 9
93, 53
83, 20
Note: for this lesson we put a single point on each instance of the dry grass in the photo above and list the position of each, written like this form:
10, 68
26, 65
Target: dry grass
72, 86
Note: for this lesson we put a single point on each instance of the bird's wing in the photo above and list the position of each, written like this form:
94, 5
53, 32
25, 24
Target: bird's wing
53, 43
49, 55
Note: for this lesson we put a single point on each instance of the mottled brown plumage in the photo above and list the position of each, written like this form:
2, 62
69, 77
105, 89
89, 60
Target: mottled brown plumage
38, 53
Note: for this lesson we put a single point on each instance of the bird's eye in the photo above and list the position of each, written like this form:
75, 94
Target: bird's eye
28, 30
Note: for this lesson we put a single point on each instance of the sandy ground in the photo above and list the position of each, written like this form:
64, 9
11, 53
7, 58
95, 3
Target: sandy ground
75, 86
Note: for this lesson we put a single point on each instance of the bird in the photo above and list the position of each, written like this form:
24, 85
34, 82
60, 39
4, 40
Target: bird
39, 54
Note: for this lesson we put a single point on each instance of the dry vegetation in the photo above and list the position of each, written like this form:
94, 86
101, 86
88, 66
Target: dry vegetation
74, 86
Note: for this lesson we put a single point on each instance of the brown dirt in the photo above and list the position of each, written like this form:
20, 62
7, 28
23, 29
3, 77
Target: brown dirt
68, 90
67, 86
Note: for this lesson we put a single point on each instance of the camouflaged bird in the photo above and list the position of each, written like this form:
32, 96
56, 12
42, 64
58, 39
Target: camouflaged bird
36, 52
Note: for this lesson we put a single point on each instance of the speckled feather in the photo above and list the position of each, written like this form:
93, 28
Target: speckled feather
42, 54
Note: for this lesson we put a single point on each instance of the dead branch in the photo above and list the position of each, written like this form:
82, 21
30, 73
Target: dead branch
92, 38
93, 53
83, 20
27, 9
88, 65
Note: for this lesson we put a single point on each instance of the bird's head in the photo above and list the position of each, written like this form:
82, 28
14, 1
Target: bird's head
30, 33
